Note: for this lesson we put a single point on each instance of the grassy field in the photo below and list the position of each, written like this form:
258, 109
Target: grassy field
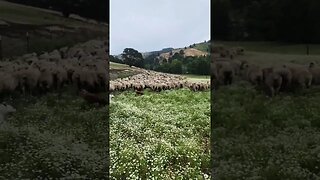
202, 46
257, 137
47, 30
273, 47
196, 78
114, 65
54, 137
160, 135
22, 14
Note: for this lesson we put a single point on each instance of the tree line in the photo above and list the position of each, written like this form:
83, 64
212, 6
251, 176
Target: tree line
176, 64
267, 20
94, 9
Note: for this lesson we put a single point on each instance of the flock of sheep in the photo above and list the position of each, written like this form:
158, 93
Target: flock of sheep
157, 82
285, 77
83, 66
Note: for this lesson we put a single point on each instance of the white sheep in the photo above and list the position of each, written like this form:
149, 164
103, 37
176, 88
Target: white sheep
5, 109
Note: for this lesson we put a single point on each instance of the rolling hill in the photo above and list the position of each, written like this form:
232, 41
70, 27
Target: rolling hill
47, 29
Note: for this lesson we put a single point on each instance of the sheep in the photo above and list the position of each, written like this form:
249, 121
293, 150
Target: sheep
60, 77
315, 71
5, 109
8, 83
253, 74
225, 72
272, 80
155, 81
286, 75
46, 79
92, 98
28, 79
236, 64
240, 50
51, 71
85, 78
301, 77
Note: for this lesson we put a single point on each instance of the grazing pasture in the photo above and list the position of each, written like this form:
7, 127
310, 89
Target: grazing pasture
53, 136
162, 135
51, 132
47, 30
54, 132
263, 137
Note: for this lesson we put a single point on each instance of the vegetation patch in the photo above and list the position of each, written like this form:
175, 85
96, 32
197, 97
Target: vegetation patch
160, 135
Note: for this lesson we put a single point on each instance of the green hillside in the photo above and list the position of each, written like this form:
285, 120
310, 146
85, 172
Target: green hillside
47, 29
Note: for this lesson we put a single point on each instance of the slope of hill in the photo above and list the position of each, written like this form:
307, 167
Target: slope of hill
187, 52
47, 29
204, 46
164, 50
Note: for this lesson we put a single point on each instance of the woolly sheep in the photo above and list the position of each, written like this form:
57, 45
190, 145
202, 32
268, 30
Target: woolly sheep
5, 109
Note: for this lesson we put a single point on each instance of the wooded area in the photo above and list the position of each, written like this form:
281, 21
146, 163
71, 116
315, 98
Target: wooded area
266, 20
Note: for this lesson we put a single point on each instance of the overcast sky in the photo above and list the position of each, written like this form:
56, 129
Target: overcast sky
148, 25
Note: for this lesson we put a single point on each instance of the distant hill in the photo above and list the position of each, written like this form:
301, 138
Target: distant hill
197, 49
194, 50
164, 50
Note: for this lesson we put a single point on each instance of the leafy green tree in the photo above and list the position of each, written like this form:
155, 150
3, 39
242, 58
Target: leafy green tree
176, 67
115, 59
132, 57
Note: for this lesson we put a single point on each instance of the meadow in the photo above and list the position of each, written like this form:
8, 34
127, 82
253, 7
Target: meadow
48, 30
55, 135
258, 137
44, 140
160, 135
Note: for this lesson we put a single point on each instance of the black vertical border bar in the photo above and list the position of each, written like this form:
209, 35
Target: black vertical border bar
108, 101
211, 92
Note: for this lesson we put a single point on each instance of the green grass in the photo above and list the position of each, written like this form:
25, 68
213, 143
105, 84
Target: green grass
202, 46
272, 47
38, 44
22, 14
22, 19
261, 138
114, 65
160, 135
257, 137
269, 59
196, 78
51, 137
272, 53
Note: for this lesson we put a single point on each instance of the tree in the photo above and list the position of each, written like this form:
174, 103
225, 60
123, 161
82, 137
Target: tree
176, 67
181, 52
132, 57
115, 59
